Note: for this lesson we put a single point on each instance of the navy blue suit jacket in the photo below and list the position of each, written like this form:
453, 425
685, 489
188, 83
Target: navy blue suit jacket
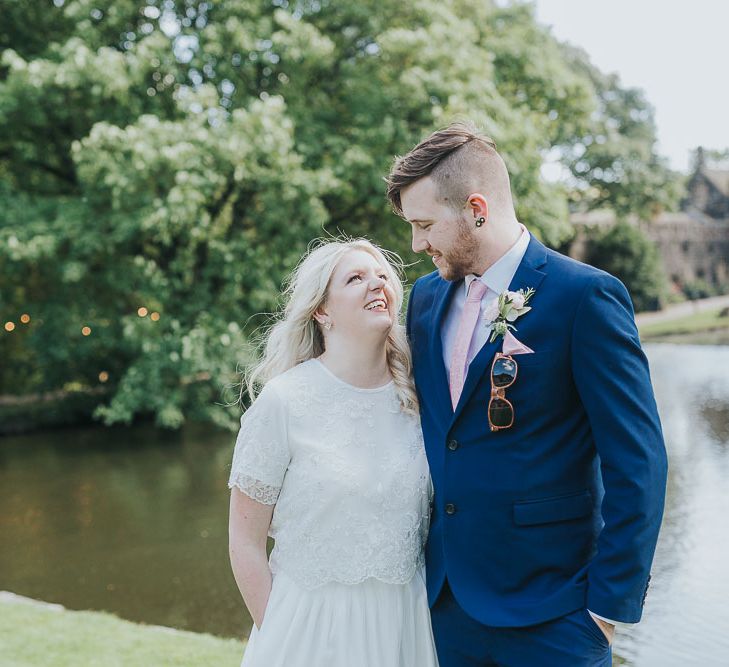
562, 510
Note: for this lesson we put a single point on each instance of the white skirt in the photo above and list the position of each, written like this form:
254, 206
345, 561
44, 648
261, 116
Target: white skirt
372, 624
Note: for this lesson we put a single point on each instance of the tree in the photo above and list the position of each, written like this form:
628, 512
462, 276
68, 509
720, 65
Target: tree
124, 191
175, 157
614, 162
628, 254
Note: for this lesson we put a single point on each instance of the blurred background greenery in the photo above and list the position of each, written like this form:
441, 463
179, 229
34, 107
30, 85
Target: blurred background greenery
164, 164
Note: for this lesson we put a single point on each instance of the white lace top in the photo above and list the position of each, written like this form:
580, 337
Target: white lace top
347, 472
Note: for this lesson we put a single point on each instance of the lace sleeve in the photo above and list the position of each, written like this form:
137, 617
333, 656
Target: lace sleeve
261, 454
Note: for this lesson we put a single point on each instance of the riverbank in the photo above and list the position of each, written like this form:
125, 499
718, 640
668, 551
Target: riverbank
29, 412
42, 634
684, 308
700, 326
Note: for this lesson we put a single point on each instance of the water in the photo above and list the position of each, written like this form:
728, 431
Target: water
686, 616
129, 520
134, 521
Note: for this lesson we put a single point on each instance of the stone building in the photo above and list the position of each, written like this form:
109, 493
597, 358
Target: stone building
693, 243
708, 191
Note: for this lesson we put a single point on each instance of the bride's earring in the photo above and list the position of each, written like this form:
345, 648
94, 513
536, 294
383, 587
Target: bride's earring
326, 324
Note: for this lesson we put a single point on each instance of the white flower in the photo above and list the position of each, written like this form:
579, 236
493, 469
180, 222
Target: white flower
517, 299
506, 309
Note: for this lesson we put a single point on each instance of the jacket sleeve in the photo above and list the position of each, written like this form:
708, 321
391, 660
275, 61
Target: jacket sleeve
613, 381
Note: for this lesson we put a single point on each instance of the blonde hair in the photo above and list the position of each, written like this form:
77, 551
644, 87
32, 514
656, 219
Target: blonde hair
295, 336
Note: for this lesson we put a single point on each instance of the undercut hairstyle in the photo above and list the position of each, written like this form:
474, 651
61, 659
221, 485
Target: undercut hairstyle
460, 160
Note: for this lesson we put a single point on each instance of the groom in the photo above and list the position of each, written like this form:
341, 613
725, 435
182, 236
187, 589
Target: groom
548, 464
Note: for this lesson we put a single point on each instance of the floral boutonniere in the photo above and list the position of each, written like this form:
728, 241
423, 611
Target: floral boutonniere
510, 306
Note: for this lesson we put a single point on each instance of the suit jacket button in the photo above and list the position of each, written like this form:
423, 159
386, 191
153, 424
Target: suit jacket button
453, 445
450, 508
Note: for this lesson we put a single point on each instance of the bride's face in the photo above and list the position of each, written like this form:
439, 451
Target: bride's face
360, 298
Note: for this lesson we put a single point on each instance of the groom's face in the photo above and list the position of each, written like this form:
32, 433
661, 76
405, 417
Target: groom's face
439, 230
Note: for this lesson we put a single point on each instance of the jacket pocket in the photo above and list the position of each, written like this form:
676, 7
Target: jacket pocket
551, 510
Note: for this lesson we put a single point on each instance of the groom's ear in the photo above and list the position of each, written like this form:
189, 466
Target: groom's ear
478, 205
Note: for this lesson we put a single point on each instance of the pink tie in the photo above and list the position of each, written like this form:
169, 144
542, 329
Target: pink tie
469, 319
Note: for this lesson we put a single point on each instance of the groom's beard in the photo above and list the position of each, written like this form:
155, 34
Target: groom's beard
461, 259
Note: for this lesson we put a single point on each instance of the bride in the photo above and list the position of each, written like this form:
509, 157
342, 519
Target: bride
329, 462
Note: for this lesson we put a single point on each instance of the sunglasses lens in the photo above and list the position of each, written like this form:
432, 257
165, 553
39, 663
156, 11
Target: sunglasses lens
504, 372
500, 412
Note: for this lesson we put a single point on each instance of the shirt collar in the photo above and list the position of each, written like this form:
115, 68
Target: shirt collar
499, 275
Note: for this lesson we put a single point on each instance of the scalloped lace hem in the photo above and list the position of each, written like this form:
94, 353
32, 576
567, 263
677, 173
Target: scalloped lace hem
311, 582
258, 491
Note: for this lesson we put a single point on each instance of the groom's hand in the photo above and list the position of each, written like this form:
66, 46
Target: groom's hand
608, 629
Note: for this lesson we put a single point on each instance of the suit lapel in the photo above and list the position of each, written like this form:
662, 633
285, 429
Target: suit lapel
527, 275
441, 300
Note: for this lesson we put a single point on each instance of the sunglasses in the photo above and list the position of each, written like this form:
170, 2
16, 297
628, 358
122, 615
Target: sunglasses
503, 375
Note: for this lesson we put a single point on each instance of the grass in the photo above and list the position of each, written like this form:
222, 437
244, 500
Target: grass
709, 320
33, 634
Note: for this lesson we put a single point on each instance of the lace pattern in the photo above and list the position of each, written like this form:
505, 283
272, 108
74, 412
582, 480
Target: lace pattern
347, 472
261, 454
258, 491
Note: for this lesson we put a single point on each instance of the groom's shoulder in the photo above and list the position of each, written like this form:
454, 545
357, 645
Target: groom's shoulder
577, 273
428, 282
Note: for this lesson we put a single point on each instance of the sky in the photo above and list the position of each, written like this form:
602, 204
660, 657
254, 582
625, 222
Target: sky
677, 52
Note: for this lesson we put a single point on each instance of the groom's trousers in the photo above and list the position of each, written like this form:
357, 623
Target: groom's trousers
574, 640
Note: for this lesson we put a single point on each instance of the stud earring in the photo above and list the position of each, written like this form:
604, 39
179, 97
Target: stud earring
327, 325
480, 221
